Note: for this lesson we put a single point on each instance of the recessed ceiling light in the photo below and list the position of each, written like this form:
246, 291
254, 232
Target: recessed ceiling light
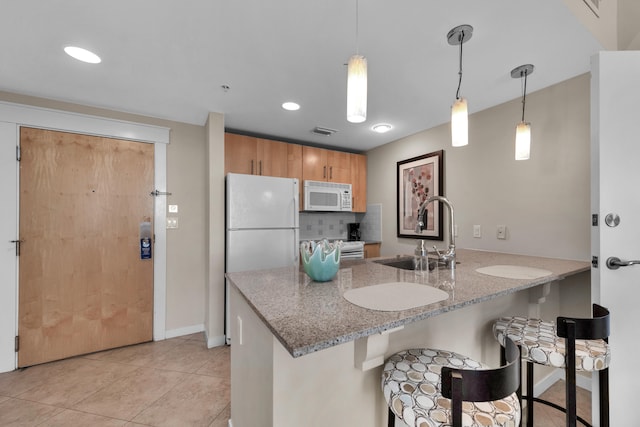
291, 106
382, 127
82, 54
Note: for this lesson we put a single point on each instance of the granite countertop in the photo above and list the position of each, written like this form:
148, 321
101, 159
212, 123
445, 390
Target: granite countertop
307, 316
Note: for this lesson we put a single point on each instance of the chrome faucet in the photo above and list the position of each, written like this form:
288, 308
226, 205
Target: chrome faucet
448, 257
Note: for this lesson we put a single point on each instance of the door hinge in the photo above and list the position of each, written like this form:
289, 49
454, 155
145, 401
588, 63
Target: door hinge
17, 343
594, 220
18, 153
17, 242
594, 261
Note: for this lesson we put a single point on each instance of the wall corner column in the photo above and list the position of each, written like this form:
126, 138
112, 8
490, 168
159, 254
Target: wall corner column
214, 293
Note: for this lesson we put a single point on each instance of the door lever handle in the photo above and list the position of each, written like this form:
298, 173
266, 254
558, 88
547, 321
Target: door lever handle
614, 263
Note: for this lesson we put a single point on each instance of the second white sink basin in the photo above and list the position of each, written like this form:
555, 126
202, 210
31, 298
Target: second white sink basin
395, 296
514, 271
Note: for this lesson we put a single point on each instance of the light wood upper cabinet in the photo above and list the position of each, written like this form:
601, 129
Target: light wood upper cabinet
319, 164
359, 182
273, 158
314, 164
240, 153
254, 156
257, 156
339, 164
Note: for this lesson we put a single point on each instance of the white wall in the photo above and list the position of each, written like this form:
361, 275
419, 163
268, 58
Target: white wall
544, 201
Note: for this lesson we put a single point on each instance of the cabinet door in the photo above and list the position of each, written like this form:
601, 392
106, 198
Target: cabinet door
314, 164
272, 158
359, 182
294, 168
240, 154
339, 166
372, 250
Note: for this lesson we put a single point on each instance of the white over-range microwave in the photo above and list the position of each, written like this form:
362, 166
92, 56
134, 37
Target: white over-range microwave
327, 196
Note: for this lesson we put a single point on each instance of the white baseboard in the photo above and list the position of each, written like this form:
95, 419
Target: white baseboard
558, 374
216, 341
187, 330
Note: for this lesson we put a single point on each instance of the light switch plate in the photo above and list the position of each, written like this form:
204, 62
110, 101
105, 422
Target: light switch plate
172, 222
173, 208
477, 231
501, 232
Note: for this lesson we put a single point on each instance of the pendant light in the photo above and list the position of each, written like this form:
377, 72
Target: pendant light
459, 113
357, 84
523, 129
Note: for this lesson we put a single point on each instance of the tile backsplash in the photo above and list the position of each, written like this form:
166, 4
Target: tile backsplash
333, 225
371, 224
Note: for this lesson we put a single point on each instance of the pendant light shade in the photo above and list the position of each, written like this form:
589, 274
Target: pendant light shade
357, 84
357, 89
523, 129
523, 141
459, 123
459, 112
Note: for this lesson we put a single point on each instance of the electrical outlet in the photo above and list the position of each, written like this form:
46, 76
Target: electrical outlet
501, 232
172, 222
477, 231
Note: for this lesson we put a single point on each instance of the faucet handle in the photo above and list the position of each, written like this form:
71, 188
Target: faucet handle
437, 251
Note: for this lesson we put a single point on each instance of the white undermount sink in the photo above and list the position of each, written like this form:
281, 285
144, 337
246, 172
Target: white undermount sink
514, 271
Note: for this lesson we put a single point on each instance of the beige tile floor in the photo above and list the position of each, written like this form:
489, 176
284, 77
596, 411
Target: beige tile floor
176, 382
545, 416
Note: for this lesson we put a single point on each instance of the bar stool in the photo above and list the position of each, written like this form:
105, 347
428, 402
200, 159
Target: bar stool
432, 388
574, 344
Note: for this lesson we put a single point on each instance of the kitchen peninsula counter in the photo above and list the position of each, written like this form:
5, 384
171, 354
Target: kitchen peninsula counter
307, 316
301, 354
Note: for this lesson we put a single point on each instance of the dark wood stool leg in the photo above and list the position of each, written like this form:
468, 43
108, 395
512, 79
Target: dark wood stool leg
604, 397
529, 396
392, 419
570, 374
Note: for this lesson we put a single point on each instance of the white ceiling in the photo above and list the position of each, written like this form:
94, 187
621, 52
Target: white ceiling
169, 59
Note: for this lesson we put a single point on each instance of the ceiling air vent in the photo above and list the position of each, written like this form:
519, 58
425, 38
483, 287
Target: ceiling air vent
323, 131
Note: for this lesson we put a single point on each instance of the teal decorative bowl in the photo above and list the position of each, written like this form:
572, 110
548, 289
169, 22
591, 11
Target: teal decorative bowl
321, 260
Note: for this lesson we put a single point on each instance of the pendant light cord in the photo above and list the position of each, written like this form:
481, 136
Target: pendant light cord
460, 68
357, 31
524, 94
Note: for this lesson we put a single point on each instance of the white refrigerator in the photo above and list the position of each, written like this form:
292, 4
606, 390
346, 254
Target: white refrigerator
262, 228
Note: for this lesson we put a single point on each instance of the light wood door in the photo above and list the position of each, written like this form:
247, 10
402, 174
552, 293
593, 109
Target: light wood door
83, 286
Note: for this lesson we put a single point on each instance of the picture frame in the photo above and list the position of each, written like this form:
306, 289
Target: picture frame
419, 178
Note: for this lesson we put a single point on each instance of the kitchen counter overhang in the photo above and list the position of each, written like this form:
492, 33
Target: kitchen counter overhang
307, 316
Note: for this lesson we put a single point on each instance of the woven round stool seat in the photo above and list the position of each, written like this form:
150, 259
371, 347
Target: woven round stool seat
540, 344
411, 384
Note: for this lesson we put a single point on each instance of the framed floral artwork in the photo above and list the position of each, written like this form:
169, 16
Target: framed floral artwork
418, 179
